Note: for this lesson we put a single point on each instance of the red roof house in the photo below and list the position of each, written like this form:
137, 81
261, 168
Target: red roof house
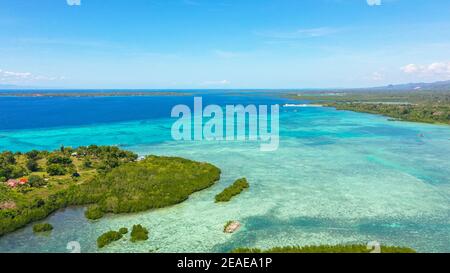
12, 183
23, 181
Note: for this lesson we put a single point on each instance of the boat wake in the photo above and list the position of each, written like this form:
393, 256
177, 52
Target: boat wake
302, 105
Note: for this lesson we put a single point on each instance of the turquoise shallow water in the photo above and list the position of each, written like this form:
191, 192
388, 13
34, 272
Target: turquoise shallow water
338, 177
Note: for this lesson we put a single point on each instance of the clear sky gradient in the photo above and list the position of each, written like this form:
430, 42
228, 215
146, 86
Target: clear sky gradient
180, 44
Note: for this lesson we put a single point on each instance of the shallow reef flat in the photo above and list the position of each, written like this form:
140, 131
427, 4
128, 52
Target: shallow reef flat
338, 177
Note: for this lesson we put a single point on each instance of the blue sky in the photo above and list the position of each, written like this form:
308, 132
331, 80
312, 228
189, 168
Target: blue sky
223, 43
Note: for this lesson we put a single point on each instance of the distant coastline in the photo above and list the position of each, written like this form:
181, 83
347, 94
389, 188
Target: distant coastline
415, 106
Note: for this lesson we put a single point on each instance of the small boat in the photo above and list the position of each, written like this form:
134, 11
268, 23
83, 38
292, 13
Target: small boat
302, 105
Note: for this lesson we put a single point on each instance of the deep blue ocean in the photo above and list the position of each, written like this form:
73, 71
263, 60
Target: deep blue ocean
45, 112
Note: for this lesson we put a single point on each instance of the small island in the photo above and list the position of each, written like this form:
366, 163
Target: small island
108, 238
139, 233
44, 227
236, 188
110, 180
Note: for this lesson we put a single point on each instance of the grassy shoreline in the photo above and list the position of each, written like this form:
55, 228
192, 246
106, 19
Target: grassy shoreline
358, 248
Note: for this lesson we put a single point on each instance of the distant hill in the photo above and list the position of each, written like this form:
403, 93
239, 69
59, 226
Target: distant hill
434, 86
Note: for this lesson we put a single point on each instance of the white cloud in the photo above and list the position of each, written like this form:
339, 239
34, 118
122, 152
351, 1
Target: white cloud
434, 69
439, 68
19, 75
300, 33
74, 2
374, 2
222, 82
377, 76
410, 68
13, 77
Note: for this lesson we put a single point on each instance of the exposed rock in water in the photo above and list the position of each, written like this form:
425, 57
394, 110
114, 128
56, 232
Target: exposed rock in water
232, 227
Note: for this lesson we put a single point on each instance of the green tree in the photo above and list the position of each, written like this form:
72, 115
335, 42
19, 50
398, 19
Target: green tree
87, 163
7, 158
56, 169
36, 181
32, 165
94, 212
34, 154
59, 159
18, 171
